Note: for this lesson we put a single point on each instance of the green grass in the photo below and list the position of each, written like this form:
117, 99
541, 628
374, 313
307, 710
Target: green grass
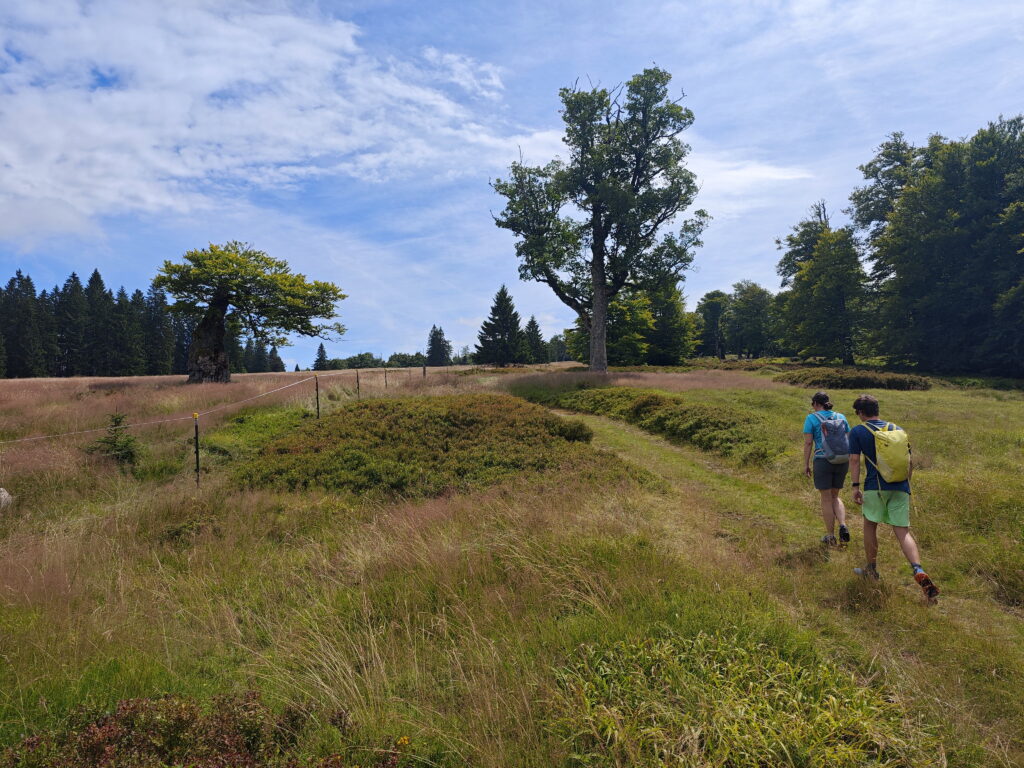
529, 598
730, 699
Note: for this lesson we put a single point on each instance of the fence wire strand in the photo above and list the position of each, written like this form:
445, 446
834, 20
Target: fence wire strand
160, 421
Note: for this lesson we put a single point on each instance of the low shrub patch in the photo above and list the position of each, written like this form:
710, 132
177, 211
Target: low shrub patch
237, 731
729, 430
851, 378
724, 700
418, 446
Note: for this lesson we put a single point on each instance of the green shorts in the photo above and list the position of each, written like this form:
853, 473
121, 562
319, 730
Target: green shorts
889, 507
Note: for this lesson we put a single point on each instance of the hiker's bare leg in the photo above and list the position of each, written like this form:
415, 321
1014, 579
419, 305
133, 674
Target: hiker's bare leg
871, 541
907, 544
838, 508
828, 514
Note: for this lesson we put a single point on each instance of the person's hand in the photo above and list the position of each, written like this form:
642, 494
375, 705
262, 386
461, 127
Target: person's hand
858, 496
807, 470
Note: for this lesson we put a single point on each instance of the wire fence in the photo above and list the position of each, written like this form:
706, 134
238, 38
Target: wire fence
357, 374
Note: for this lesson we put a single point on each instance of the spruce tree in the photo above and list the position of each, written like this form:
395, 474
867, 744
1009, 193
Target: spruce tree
72, 316
46, 317
20, 318
233, 344
99, 327
500, 341
320, 363
3, 356
248, 355
183, 325
439, 349
296, 368
274, 361
158, 332
125, 344
260, 358
536, 347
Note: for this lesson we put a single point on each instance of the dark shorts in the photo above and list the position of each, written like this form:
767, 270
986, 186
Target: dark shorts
827, 475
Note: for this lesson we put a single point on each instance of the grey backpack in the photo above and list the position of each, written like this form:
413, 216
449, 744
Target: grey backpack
835, 442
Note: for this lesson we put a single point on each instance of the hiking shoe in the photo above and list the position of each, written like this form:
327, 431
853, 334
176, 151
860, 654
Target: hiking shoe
844, 534
927, 586
867, 572
829, 541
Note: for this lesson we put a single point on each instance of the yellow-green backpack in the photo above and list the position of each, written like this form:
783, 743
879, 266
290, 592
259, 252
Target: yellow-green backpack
892, 450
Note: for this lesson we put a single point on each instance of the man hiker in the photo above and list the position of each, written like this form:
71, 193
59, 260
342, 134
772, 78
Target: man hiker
885, 496
827, 431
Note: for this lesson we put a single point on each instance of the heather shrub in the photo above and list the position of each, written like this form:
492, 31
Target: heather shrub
850, 378
414, 447
238, 731
733, 430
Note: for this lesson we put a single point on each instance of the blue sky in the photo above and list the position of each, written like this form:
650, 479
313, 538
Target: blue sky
357, 139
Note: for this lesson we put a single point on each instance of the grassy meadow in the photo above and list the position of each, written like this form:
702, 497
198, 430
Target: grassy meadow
483, 569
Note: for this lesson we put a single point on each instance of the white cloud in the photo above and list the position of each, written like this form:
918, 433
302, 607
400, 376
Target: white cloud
478, 79
123, 106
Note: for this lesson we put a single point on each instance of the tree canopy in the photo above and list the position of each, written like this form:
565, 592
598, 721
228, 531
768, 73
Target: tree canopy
268, 299
599, 222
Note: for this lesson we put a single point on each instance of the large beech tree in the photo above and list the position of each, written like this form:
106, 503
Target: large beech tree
266, 297
595, 224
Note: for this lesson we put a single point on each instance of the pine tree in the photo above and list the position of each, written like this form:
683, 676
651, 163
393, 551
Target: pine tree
99, 327
72, 316
500, 341
274, 361
158, 332
673, 337
536, 347
320, 363
439, 349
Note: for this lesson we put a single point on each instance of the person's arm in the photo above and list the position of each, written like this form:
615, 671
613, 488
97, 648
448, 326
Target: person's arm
858, 496
808, 448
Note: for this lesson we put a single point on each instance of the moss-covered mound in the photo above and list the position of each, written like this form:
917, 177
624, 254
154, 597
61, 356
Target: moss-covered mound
420, 446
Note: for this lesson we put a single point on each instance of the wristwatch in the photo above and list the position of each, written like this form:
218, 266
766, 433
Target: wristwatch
855, 485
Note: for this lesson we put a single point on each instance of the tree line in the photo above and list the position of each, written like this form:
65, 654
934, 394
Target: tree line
78, 329
929, 272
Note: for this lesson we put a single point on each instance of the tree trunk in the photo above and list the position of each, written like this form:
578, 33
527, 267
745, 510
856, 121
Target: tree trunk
207, 357
599, 331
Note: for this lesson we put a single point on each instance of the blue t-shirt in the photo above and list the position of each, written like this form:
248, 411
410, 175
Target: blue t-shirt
812, 426
862, 441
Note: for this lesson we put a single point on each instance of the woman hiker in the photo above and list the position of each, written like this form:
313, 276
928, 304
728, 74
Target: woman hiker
826, 433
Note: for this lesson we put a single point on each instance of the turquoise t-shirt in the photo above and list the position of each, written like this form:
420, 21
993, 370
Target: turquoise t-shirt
812, 426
